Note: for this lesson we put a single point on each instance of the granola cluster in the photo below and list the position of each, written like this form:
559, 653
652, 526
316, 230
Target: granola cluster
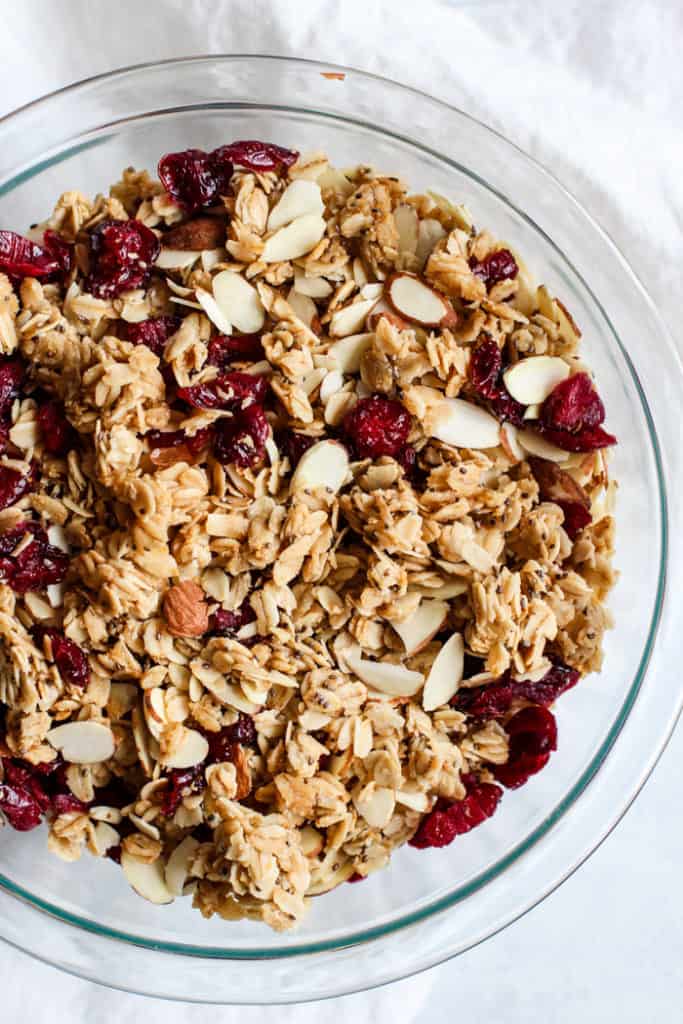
305, 521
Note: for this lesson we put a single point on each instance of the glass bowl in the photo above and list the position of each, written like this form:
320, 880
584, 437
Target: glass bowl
427, 906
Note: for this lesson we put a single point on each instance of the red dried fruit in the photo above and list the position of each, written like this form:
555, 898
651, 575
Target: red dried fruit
122, 253
20, 257
37, 565
257, 156
181, 782
294, 445
69, 658
407, 459
497, 266
114, 853
589, 439
355, 877
228, 391
533, 737
572, 405
576, 517
225, 623
493, 700
222, 744
450, 819
14, 485
60, 250
154, 333
174, 438
505, 407
19, 807
21, 776
59, 437
231, 348
486, 376
377, 426
12, 373
242, 439
67, 803
189, 178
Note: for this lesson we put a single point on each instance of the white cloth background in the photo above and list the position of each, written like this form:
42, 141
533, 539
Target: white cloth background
592, 88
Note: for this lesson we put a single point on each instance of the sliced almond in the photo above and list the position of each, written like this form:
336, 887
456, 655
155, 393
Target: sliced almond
429, 232
383, 309
176, 259
331, 872
155, 711
55, 594
509, 442
314, 287
457, 422
239, 302
454, 588
303, 306
445, 674
567, 327
57, 536
531, 380
372, 290
536, 445
376, 805
147, 879
418, 629
349, 350
395, 680
83, 742
312, 380
300, 198
213, 310
295, 240
104, 837
532, 412
178, 865
350, 319
556, 484
311, 841
191, 751
410, 297
332, 383
325, 464
407, 225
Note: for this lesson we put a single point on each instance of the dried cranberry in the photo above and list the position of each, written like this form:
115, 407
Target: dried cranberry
115, 794
242, 439
69, 658
407, 459
19, 807
60, 250
231, 348
227, 391
294, 445
67, 803
174, 438
37, 564
188, 178
505, 407
122, 253
377, 426
448, 820
493, 700
486, 376
225, 623
257, 156
533, 737
20, 257
588, 439
222, 744
59, 437
154, 333
21, 776
572, 405
114, 853
355, 877
576, 517
181, 782
497, 266
12, 373
14, 485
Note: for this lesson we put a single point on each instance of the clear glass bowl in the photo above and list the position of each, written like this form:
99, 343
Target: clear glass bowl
427, 906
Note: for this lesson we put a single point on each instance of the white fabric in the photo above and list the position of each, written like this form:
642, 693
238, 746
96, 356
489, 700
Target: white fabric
593, 89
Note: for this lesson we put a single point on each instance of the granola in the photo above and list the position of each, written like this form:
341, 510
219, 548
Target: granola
305, 523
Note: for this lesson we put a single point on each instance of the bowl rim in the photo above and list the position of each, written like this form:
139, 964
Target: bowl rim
443, 904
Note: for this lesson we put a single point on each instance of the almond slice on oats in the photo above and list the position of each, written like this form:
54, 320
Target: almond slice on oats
509, 442
325, 464
303, 306
407, 224
178, 865
382, 309
154, 708
418, 629
331, 384
348, 352
212, 310
536, 445
57, 537
464, 425
350, 319
176, 259
375, 804
295, 240
82, 742
429, 232
395, 680
531, 380
445, 675
415, 799
411, 298
239, 301
192, 750
103, 837
329, 873
314, 287
311, 841
454, 588
300, 198
147, 879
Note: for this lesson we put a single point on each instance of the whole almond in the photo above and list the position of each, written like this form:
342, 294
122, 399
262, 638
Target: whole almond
199, 233
185, 610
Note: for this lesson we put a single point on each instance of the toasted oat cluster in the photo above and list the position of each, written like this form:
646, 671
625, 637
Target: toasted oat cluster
305, 523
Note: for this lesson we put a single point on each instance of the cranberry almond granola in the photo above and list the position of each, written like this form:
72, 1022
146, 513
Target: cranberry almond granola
305, 523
